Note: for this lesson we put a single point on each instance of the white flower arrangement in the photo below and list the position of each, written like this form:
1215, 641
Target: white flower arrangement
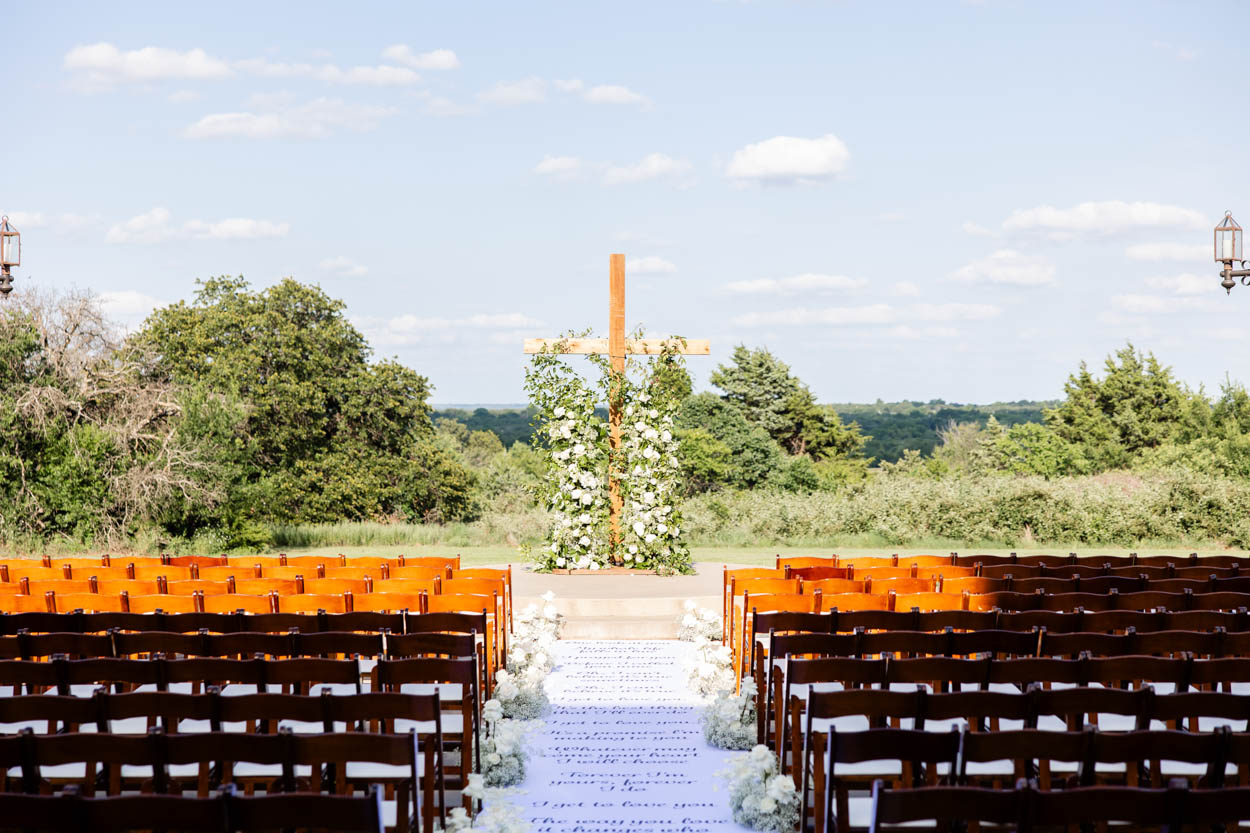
711, 669
503, 750
522, 697
574, 488
759, 796
729, 722
501, 816
651, 485
699, 622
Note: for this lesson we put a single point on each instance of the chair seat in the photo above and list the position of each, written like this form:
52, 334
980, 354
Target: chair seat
180, 771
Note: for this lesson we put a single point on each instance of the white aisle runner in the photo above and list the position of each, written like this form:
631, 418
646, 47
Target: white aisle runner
623, 749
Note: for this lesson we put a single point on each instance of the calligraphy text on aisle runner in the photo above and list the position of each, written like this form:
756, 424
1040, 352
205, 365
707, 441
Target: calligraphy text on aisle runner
623, 750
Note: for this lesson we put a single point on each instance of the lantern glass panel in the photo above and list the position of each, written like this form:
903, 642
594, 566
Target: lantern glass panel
1228, 239
10, 249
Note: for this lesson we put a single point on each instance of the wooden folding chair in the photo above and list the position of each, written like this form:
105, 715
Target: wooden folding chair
463, 603
355, 586
420, 572
882, 573
223, 572
388, 602
831, 585
166, 603
806, 561
129, 585
503, 574
745, 647
264, 586
900, 585
926, 601
728, 577
738, 587
947, 571
843, 602
406, 585
232, 602
87, 602
37, 587
13, 603
972, 584
448, 562
192, 586
153, 571
313, 603
313, 561
816, 573
354, 571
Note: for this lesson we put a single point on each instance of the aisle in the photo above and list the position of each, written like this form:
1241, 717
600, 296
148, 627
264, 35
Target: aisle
623, 749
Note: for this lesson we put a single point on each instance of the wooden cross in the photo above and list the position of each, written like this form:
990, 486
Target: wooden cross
617, 347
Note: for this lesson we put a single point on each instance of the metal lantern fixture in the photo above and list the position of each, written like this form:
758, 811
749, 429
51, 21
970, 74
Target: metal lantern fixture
1227, 250
10, 254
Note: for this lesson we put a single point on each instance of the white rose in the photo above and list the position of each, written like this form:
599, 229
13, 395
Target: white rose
767, 805
588, 499
653, 413
628, 557
667, 436
594, 565
661, 528
584, 541
576, 494
493, 758
559, 411
560, 563
639, 529
650, 537
566, 433
584, 518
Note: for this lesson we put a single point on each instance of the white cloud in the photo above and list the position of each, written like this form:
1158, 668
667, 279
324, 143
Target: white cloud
378, 76
1007, 266
235, 228
952, 312
103, 65
314, 120
1151, 304
526, 91
573, 85
975, 229
560, 166
651, 166
182, 96
1186, 284
651, 265
128, 307
400, 53
869, 314
155, 226
1107, 217
1168, 251
808, 282
788, 160
27, 219
150, 227
910, 333
344, 266
614, 94
412, 329
905, 289
872, 314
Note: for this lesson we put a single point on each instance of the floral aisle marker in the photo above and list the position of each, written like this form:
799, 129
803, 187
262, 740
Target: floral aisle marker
547, 368
759, 796
710, 669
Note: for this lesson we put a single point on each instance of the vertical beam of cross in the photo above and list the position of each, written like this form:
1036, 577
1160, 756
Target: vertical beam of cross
617, 347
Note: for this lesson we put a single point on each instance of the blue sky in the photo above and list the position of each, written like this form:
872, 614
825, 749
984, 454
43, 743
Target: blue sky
912, 200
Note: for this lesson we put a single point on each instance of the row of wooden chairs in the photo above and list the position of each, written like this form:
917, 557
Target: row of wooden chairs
986, 559
1026, 808
285, 762
224, 812
401, 621
282, 559
742, 635
845, 761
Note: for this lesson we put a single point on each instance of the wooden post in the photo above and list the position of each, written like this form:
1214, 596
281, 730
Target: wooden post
616, 352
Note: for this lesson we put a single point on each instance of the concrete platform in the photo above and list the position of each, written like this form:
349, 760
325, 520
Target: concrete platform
620, 606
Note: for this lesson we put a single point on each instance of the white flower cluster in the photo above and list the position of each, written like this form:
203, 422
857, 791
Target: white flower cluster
503, 750
579, 493
729, 722
699, 621
759, 796
501, 816
531, 656
650, 484
711, 669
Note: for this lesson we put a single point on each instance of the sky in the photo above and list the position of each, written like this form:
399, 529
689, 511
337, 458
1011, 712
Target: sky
912, 200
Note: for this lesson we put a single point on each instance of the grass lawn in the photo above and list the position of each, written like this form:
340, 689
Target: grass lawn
751, 556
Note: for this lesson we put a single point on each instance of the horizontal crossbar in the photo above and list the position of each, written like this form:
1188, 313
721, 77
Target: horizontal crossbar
636, 346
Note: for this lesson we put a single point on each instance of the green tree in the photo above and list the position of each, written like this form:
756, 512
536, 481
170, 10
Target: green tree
770, 396
328, 435
755, 454
706, 462
1136, 406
